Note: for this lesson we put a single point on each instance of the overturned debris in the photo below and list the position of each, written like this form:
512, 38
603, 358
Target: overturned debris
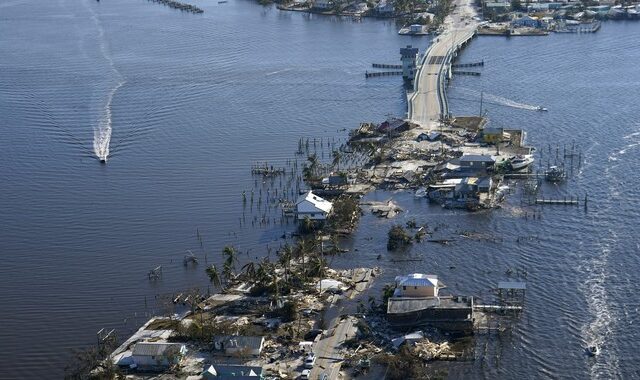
388, 209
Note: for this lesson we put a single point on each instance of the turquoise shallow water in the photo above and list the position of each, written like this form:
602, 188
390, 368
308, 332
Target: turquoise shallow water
192, 101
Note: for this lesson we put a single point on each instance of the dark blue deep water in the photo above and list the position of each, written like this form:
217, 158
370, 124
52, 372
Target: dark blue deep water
187, 103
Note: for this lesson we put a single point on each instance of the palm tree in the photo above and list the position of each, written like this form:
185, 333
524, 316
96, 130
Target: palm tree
249, 270
266, 275
285, 255
307, 173
313, 163
317, 266
265, 271
304, 248
387, 292
337, 156
230, 254
335, 244
214, 276
308, 225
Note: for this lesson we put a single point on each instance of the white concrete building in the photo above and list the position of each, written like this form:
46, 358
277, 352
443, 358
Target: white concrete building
312, 206
417, 285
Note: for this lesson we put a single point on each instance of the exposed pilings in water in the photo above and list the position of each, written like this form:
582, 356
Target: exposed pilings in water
178, 5
386, 66
481, 63
474, 73
382, 74
571, 201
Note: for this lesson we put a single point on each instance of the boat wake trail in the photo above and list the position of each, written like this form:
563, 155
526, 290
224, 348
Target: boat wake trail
102, 131
278, 72
600, 330
497, 100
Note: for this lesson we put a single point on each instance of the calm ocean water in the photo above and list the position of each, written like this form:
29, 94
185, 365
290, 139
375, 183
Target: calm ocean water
189, 102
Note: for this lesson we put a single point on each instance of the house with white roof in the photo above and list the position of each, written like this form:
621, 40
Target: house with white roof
416, 302
239, 345
417, 285
312, 206
232, 372
157, 355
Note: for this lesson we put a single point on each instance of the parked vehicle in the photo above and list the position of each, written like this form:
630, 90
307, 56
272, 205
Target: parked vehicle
309, 361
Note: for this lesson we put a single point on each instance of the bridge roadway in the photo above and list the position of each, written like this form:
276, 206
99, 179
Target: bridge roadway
428, 102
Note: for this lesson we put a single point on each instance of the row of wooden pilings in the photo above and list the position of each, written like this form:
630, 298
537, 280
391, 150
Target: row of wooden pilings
178, 5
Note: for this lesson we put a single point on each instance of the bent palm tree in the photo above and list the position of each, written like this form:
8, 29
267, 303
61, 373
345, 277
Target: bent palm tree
313, 162
249, 270
230, 257
214, 276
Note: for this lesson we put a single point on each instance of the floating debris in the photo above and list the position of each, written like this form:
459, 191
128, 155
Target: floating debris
155, 273
555, 174
388, 209
190, 258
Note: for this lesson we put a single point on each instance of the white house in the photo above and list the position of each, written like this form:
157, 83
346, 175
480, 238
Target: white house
417, 285
385, 8
361, 7
157, 355
239, 345
312, 206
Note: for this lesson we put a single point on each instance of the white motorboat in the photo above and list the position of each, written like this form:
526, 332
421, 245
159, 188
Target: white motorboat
592, 350
521, 162
540, 108
421, 193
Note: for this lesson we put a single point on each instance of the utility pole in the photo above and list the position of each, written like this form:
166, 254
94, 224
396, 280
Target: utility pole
481, 95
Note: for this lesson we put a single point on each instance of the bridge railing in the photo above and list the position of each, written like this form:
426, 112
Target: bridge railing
442, 95
416, 79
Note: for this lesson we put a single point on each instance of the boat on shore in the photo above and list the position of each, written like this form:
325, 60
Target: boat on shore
521, 161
